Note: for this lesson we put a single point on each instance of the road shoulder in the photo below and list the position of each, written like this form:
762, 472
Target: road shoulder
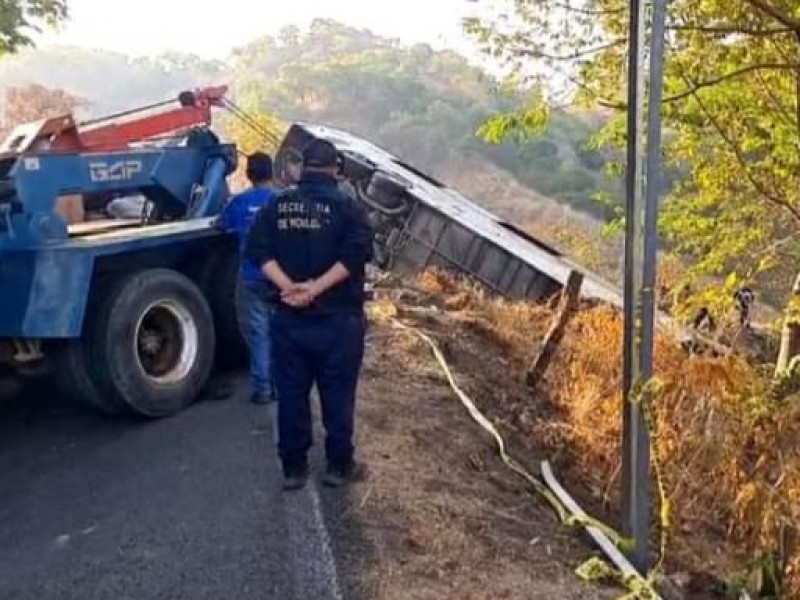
439, 517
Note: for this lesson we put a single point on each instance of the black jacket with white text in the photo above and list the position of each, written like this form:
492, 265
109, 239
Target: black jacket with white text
307, 229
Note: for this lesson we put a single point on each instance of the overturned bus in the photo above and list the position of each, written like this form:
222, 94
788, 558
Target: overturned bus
421, 222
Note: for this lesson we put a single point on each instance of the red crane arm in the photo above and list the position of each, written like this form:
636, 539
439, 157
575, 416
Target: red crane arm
195, 110
117, 136
63, 134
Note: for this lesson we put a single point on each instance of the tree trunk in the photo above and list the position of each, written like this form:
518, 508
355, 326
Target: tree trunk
790, 335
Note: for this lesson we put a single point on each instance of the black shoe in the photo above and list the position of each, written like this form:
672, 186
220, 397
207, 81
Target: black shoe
338, 477
262, 398
295, 480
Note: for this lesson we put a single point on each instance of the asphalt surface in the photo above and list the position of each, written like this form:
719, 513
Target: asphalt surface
190, 507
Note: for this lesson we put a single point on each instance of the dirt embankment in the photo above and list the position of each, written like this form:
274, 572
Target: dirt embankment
450, 522
442, 515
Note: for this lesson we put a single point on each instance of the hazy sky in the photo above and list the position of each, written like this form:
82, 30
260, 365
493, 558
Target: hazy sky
154, 26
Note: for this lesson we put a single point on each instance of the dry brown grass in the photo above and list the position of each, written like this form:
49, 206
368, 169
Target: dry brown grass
439, 517
730, 456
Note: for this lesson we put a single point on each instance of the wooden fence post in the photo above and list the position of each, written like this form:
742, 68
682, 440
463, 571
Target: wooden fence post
567, 306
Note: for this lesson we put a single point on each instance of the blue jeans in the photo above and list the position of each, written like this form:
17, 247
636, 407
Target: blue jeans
326, 351
254, 315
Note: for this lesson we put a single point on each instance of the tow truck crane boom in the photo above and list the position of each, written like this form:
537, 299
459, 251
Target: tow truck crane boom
63, 134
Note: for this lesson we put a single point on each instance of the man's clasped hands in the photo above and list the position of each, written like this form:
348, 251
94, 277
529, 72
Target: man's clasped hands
300, 295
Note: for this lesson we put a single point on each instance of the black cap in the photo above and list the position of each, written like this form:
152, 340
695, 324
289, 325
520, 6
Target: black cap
259, 167
320, 154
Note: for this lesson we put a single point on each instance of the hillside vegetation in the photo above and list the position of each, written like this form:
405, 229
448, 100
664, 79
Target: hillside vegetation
422, 104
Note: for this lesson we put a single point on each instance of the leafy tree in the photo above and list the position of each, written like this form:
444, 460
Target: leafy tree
20, 18
732, 91
34, 102
543, 148
257, 130
577, 180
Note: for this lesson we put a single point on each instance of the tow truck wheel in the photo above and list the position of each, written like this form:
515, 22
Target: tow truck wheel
73, 378
156, 350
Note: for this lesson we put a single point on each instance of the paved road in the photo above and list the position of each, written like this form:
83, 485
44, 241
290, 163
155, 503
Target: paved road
182, 508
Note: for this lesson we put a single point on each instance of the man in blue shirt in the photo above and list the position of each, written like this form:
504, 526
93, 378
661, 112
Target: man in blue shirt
313, 243
253, 290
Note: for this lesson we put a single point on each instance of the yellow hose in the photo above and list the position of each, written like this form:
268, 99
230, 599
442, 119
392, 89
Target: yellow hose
638, 588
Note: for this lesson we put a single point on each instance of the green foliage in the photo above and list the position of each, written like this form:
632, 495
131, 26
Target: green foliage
262, 132
529, 120
424, 105
20, 18
732, 91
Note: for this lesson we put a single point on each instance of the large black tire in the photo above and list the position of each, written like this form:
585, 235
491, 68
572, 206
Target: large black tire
387, 192
73, 377
70, 364
154, 344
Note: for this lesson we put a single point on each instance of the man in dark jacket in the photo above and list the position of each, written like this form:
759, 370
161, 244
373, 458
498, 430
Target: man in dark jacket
313, 243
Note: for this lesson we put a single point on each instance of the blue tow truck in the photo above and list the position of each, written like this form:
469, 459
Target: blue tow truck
127, 314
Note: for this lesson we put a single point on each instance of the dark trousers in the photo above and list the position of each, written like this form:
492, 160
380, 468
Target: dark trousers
323, 350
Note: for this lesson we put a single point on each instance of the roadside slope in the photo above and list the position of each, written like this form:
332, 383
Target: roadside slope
439, 516
445, 518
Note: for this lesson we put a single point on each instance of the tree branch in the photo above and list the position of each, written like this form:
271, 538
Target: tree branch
730, 75
536, 53
589, 11
782, 110
797, 92
757, 185
730, 30
775, 247
772, 11
592, 93
701, 84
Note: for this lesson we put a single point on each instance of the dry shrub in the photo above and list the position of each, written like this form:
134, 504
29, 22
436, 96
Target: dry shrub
513, 321
729, 457
438, 281
728, 454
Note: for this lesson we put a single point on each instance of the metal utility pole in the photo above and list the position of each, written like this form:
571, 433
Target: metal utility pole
641, 242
